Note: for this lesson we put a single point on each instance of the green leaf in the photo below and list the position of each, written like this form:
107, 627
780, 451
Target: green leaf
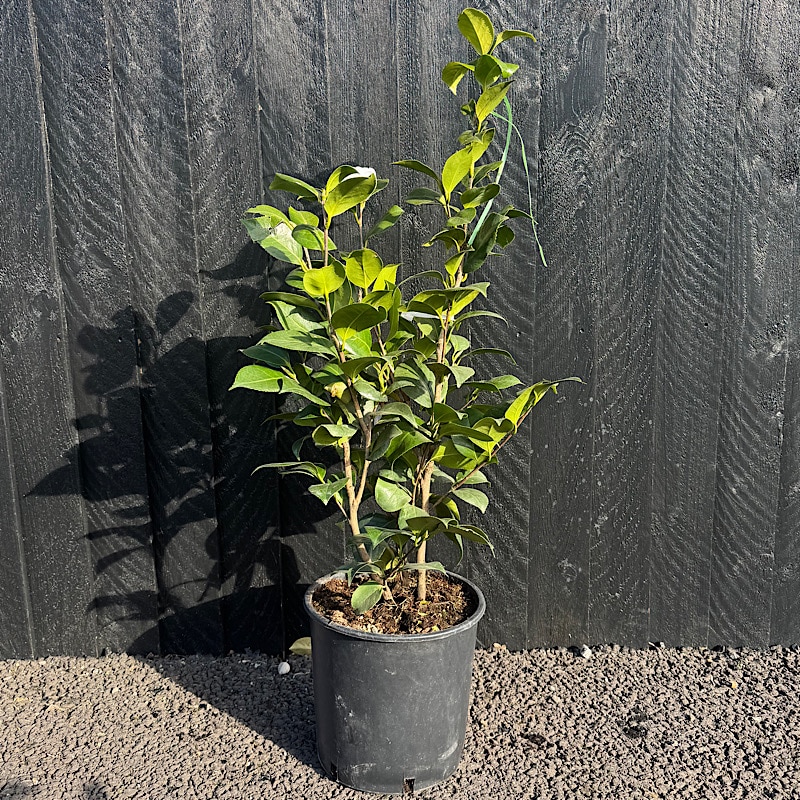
366, 596
325, 280
435, 566
454, 72
258, 378
491, 351
303, 217
506, 35
296, 468
300, 341
267, 354
484, 170
504, 236
495, 384
386, 276
363, 267
286, 183
461, 374
455, 169
349, 193
490, 99
291, 299
418, 166
325, 491
271, 215
389, 496
463, 217
385, 222
479, 195
367, 390
487, 70
338, 175
355, 366
281, 244
473, 533
424, 197
474, 497
301, 647
477, 29
400, 410
311, 238
348, 321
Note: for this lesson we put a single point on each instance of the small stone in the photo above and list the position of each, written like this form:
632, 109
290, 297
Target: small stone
283, 668
584, 651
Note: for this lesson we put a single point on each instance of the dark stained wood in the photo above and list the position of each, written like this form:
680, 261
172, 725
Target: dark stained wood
163, 245
16, 618
292, 80
222, 118
760, 255
697, 209
37, 402
573, 43
101, 335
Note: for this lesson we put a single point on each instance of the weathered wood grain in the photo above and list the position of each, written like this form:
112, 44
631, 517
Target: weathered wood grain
76, 85
292, 80
573, 43
784, 119
758, 314
225, 174
162, 242
16, 614
699, 194
37, 387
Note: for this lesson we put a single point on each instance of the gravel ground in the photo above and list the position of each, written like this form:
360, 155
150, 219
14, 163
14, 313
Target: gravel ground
545, 724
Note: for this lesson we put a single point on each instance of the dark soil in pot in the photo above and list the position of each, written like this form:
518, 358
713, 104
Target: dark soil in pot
448, 603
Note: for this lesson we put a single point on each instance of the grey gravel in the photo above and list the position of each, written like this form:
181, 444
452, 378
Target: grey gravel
658, 723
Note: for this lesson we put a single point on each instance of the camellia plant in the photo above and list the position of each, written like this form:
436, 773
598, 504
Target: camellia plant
387, 376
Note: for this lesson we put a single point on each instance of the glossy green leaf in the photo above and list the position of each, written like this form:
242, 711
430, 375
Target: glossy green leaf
326, 491
424, 197
434, 566
463, 217
385, 222
268, 354
286, 183
311, 238
368, 391
366, 596
479, 195
258, 378
348, 321
487, 70
338, 175
356, 366
505, 35
272, 216
387, 275
389, 496
301, 217
291, 299
418, 166
401, 410
455, 169
363, 267
477, 29
349, 193
454, 72
495, 384
281, 244
300, 341
325, 280
490, 99
474, 497
296, 468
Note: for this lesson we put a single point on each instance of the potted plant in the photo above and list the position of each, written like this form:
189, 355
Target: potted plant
385, 380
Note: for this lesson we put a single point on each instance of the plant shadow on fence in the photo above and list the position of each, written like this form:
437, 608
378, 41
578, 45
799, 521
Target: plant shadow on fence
187, 546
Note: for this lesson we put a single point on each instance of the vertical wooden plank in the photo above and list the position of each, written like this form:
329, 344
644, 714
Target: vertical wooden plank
37, 385
161, 238
290, 63
761, 240
573, 42
222, 117
101, 337
699, 193
16, 621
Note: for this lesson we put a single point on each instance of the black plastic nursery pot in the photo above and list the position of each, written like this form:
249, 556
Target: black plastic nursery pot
391, 709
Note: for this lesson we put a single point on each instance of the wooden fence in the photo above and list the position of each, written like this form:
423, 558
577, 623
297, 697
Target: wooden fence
660, 501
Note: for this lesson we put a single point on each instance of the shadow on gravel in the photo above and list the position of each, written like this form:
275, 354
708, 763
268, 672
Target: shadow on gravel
248, 689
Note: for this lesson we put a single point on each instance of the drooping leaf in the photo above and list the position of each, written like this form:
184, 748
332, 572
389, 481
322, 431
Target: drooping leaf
424, 196
286, 183
454, 72
506, 35
325, 280
296, 468
366, 596
477, 29
418, 166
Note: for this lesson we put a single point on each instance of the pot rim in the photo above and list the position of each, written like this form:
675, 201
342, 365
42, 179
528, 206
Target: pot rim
395, 638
